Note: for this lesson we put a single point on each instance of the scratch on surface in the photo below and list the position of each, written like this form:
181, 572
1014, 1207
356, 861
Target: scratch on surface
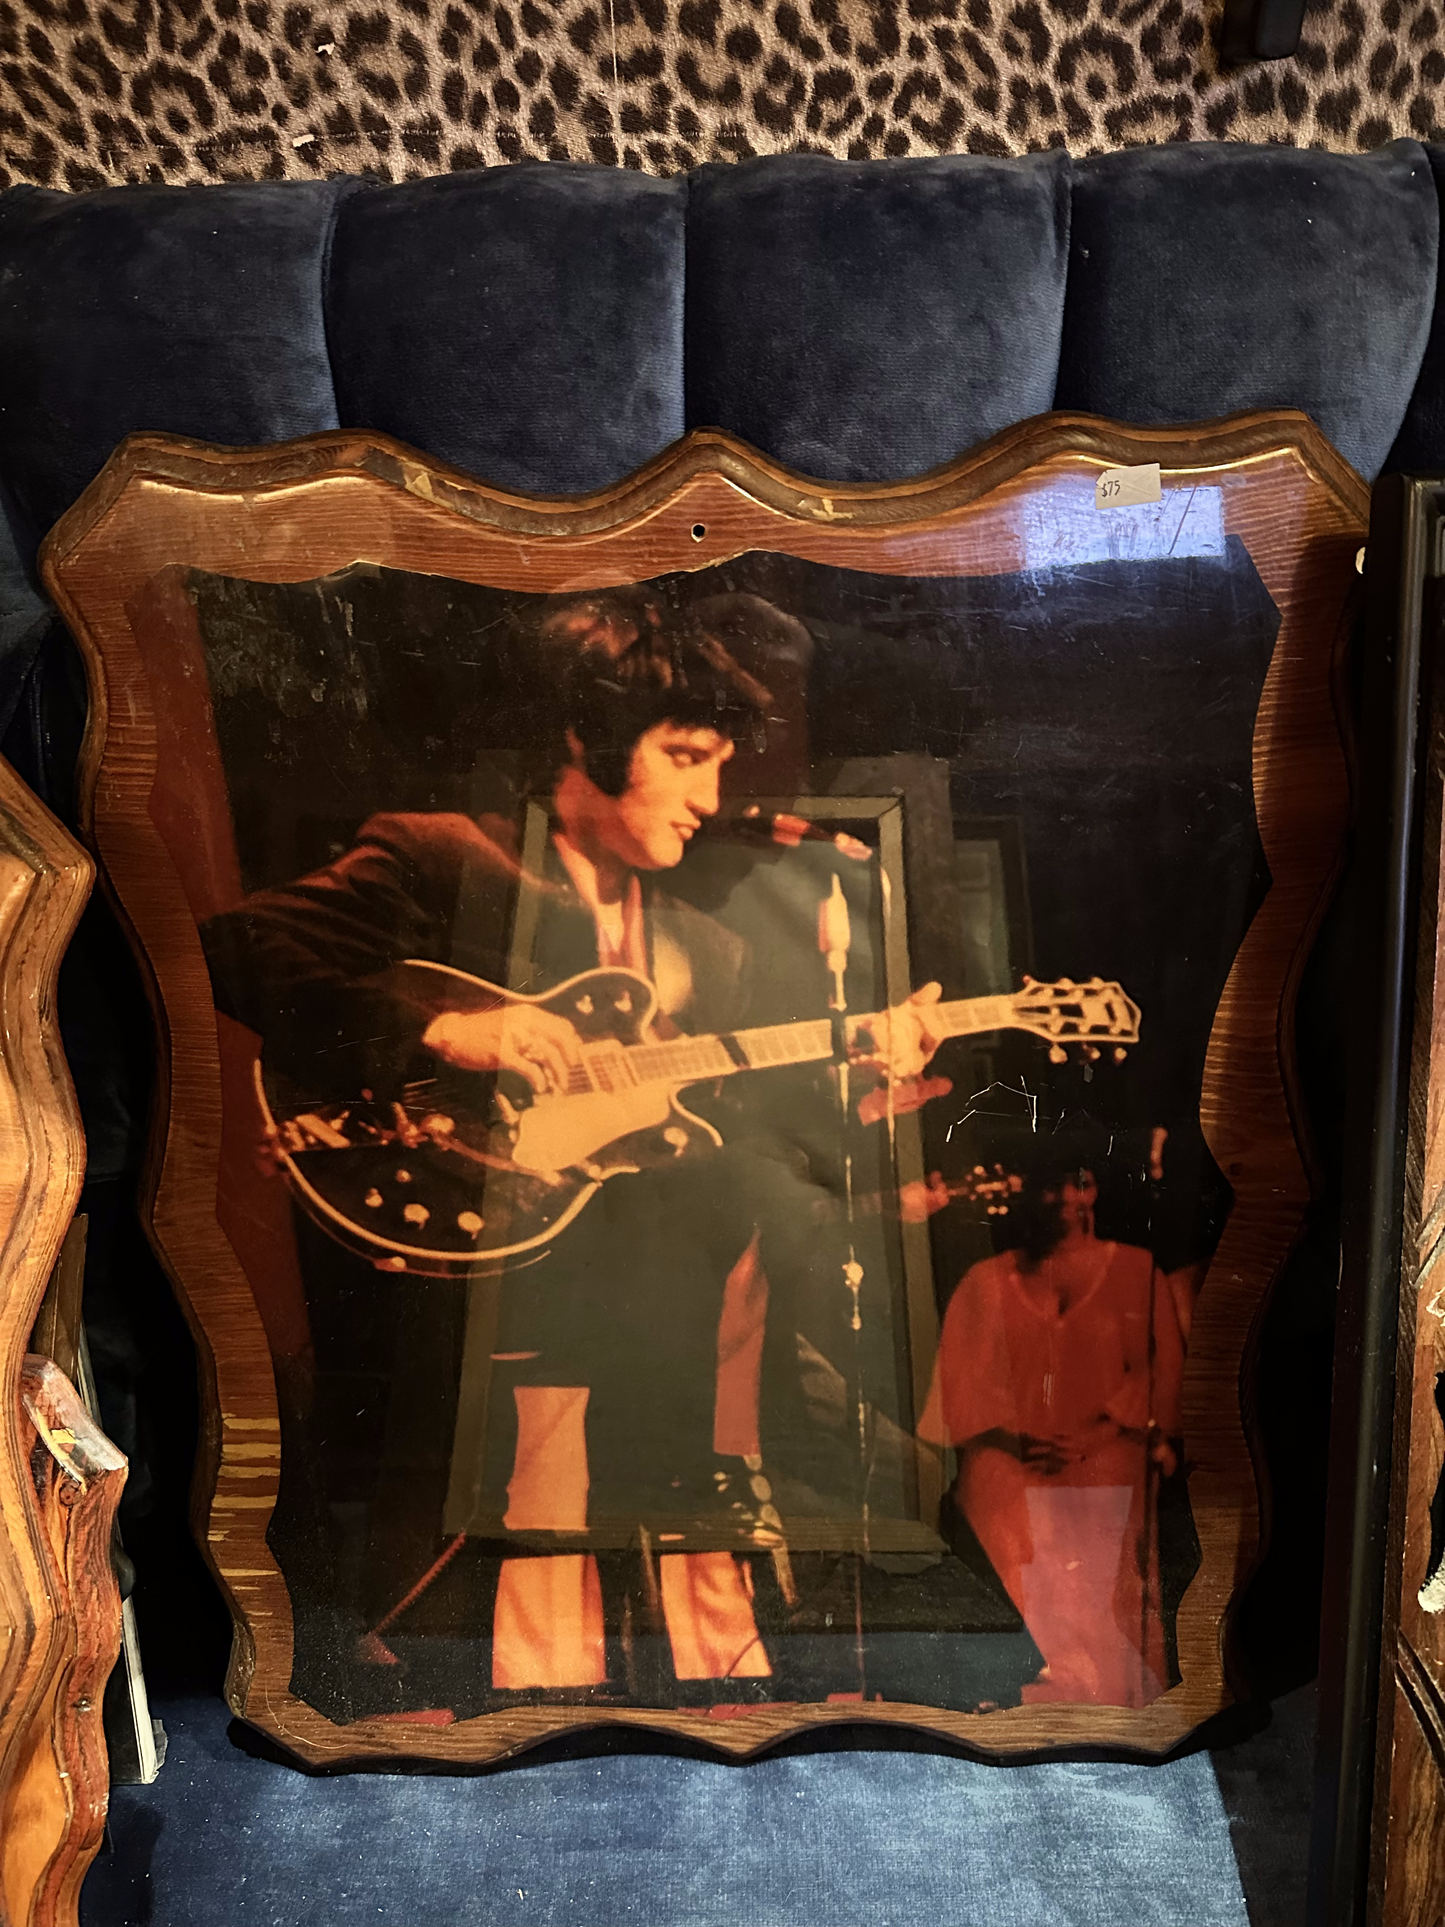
418, 482
823, 510
975, 1109
1183, 518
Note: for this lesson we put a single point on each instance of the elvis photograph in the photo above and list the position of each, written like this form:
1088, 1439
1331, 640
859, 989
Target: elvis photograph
712, 1119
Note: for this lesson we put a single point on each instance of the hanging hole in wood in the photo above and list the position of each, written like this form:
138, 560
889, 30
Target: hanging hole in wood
699, 530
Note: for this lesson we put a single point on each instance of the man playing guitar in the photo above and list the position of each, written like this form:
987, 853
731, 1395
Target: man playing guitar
627, 1367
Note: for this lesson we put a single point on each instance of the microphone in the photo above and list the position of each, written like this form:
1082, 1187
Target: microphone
787, 832
835, 939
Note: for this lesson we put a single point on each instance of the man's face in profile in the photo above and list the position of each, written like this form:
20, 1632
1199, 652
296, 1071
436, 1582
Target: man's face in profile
672, 788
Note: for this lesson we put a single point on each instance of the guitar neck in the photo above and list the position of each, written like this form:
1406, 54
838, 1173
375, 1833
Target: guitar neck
811, 1042
690, 1059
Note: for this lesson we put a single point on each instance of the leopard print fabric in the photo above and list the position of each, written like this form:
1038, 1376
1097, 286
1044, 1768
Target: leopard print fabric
100, 91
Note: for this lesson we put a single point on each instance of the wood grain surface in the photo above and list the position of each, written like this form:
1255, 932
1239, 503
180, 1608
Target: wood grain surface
310, 508
54, 1804
57, 1640
1408, 1858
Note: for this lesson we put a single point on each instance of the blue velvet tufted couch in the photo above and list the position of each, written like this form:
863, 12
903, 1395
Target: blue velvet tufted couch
549, 328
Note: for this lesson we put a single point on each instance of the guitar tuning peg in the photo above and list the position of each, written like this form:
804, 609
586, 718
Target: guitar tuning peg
1057, 1054
1091, 1052
1120, 1053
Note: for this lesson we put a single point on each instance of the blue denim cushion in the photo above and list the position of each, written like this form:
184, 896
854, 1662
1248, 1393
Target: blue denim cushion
25, 615
868, 321
193, 310
1420, 443
223, 1840
1208, 279
523, 323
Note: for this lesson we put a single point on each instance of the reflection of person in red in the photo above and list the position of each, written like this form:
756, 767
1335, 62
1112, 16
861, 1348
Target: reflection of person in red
1059, 1380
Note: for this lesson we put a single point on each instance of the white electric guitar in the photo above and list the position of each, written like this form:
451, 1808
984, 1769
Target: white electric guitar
469, 1174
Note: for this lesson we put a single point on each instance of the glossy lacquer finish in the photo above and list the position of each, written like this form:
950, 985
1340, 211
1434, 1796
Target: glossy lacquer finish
60, 1478
729, 1099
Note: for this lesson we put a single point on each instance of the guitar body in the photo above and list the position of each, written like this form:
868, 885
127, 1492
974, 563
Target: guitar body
467, 1174
472, 1174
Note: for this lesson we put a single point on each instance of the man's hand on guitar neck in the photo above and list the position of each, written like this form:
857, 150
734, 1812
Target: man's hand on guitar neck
897, 1046
534, 1043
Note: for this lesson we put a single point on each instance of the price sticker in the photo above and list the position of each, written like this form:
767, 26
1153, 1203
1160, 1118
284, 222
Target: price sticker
1125, 488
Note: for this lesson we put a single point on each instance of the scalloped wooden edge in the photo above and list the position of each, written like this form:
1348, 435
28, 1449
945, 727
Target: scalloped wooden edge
53, 1780
706, 465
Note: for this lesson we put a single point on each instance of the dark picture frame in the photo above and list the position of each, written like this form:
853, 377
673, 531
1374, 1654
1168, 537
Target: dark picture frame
1247, 529
1380, 1758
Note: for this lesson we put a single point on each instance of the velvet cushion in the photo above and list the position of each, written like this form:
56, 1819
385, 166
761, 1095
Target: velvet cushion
1420, 443
1208, 279
629, 1839
24, 618
195, 310
524, 323
869, 321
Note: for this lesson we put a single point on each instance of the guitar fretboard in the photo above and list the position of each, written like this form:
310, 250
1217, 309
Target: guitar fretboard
610, 1067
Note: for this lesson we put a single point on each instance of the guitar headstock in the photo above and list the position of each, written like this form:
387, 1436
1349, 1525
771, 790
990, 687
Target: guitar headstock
1090, 1014
989, 1185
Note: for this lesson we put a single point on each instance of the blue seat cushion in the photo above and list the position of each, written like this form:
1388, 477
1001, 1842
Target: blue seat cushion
1208, 279
523, 323
1420, 443
871, 321
191, 310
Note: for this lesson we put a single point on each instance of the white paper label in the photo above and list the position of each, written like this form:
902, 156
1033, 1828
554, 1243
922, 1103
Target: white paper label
1125, 488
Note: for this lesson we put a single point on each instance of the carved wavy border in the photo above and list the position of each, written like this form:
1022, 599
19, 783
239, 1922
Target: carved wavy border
45, 878
162, 502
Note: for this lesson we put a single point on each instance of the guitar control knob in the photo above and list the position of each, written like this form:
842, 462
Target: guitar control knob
403, 1177
469, 1222
374, 1198
416, 1214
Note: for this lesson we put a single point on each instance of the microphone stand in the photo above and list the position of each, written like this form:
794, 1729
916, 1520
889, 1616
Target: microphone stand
835, 939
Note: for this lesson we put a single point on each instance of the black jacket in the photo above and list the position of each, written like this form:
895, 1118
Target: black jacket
305, 964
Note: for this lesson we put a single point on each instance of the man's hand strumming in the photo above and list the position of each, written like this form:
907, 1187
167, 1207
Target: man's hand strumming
534, 1043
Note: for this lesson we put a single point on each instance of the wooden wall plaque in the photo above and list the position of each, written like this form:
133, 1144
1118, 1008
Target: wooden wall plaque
729, 1103
60, 1477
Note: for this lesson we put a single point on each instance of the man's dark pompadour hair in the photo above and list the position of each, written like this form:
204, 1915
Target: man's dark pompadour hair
619, 661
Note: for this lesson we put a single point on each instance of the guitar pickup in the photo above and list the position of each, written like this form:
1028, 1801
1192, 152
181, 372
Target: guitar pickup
317, 1131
